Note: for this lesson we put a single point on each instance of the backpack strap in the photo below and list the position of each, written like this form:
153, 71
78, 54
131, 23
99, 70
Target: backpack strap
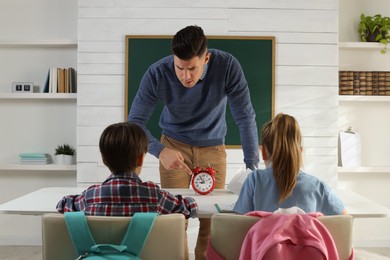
138, 231
79, 232
133, 241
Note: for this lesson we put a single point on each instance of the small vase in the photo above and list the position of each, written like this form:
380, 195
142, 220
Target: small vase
63, 159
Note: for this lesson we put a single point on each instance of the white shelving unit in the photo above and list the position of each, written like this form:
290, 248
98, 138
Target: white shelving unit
29, 59
40, 109
366, 114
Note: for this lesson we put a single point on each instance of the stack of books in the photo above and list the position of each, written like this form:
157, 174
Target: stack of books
61, 80
34, 158
365, 83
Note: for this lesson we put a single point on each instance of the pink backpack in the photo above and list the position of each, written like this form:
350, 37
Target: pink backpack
288, 236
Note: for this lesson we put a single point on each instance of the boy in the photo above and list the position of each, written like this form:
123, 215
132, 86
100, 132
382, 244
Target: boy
123, 147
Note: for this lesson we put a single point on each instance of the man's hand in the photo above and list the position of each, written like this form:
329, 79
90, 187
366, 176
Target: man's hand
172, 160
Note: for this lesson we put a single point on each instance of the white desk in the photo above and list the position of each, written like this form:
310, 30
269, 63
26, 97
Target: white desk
361, 207
45, 200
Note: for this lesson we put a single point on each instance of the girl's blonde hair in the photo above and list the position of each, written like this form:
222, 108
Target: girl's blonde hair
281, 139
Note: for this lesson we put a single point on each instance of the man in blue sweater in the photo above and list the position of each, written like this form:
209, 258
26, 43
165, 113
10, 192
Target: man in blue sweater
195, 84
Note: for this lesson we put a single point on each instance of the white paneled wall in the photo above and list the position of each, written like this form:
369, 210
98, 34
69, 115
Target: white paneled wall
306, 84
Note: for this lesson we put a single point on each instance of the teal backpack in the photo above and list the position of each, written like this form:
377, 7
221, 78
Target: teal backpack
130, 247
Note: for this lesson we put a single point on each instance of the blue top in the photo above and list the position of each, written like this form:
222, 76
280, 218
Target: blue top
196, 116
260, 192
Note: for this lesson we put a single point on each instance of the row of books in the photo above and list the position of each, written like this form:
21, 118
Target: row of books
61, 80
364, 83
35, 158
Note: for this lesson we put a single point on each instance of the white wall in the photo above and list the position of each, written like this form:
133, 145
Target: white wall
306, 67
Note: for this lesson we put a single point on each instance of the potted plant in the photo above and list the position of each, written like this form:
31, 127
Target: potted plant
375, 29
64, 154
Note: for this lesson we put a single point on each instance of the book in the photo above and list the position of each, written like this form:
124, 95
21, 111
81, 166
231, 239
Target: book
72, 78
46, 85
53, 82
60, 80
67, 86
225, 207
34, 162
34, 158
34, 155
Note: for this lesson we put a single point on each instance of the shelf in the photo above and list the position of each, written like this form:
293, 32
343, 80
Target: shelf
346, 98
43, 167
364, 169
38, 96
38, 43
360, 45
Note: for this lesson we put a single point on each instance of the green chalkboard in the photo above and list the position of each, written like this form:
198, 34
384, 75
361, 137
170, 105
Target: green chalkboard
257, 58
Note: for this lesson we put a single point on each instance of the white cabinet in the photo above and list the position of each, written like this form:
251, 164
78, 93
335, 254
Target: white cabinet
369, 115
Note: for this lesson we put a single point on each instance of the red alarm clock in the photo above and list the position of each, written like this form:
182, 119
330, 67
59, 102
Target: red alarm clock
203, 180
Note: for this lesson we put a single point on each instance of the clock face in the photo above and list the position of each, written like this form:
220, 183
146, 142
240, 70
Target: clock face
203, 183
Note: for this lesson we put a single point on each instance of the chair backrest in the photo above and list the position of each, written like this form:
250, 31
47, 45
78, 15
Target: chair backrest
229, 230
165, 241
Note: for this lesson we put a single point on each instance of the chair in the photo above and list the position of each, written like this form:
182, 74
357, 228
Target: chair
229, 230
165, 241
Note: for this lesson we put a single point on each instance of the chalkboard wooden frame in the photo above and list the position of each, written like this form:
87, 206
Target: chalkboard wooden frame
255, 53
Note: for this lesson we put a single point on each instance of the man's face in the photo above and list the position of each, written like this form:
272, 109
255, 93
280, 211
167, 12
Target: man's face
190, 71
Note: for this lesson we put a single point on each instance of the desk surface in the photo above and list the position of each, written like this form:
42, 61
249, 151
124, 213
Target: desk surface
45, 200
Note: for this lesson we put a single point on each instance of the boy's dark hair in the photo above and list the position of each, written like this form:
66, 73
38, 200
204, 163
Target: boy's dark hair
189, 42
121, 144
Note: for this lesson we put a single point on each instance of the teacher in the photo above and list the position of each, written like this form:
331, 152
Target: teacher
195, 84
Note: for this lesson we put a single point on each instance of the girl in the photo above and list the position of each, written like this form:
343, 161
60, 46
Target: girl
282, 184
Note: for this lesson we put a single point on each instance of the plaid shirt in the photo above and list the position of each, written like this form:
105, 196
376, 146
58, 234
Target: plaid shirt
124, 195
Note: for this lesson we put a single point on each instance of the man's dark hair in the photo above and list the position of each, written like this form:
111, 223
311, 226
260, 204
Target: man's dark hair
189, 42
120, 145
